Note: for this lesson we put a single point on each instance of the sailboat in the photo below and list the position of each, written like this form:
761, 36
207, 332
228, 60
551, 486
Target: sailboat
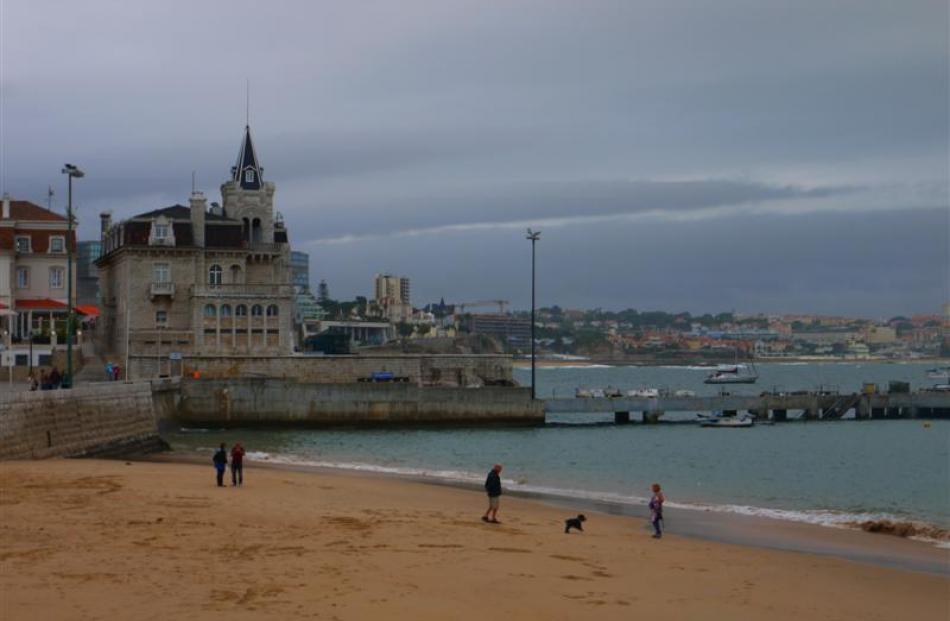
733, 374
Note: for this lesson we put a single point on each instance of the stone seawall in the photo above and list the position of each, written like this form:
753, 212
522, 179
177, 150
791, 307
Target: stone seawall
420, 369
274, 402
110, 418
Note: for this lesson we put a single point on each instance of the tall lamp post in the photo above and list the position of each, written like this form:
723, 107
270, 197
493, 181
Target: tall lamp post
533, 236
70, 171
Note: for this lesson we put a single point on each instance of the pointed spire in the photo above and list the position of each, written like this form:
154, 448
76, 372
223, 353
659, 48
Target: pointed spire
247, 171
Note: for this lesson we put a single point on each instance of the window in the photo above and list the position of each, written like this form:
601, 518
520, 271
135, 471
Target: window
257, 310
57, 244
248, 176
236, 274
161, 317
272, 310
210, 310
240, 311
161, 272
225, 310
160, 230
23, 243
23, 278
214, 276
56, 277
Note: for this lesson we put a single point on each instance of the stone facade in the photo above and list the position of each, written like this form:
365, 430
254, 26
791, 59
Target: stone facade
200, 281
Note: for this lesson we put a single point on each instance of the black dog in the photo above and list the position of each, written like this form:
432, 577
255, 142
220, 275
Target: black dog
574, 523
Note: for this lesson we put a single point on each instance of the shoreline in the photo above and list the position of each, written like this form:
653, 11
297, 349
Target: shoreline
838, 541
113, 539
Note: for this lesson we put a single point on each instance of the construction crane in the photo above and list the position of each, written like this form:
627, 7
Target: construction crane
502, 305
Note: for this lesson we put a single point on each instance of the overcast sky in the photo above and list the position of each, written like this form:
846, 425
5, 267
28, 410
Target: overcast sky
677, 155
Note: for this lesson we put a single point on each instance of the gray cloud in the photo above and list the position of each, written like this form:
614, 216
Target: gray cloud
400, 126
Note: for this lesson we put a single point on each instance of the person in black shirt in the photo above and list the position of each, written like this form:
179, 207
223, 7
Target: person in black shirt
493, 488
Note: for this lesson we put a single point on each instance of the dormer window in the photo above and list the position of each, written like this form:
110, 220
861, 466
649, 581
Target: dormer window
161, 231
57, 244
248, 176
23, 244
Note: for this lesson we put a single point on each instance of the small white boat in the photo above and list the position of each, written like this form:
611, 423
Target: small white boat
718, 420
597, 393
582, 393
732, 376
939, 373
644, 393
684, 393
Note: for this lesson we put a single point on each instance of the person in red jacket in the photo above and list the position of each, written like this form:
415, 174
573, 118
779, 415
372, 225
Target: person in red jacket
237, 465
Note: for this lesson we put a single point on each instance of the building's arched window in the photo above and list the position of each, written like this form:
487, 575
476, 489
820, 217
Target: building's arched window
248, 176
240, 311
236, 274
210, 310
257, 310
272, 310
225, 310
246, 230
257, 235
214, 275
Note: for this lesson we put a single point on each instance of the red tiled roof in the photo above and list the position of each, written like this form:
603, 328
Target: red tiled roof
39, 304
25, 210
87, 309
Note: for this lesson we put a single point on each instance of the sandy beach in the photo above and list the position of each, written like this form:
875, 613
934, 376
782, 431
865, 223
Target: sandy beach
89, 539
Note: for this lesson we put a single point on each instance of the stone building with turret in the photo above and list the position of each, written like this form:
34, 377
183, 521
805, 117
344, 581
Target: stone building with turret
199, 279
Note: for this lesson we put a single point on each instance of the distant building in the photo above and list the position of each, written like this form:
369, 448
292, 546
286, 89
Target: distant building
87, 275
393, 297
300, 270
199, 281
33, 258
512, 330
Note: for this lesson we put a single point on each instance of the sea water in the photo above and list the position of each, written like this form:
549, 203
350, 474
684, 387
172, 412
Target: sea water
821, 472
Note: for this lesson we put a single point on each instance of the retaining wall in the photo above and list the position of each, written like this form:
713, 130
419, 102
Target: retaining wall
422, 370
110, 418
272, 402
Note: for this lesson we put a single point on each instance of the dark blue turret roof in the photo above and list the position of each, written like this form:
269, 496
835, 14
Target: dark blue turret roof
247, 161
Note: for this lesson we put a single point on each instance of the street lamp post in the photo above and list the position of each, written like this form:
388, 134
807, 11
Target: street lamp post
70, 171
533, 236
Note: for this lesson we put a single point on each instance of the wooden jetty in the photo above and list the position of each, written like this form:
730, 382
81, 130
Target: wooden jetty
778, 407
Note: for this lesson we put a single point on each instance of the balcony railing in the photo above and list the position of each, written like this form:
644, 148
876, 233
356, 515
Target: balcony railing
242, 290
162, 288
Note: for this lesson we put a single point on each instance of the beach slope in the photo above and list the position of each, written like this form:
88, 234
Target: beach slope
88, 539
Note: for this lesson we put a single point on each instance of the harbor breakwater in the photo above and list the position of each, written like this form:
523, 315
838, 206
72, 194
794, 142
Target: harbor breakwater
118, 418
281, 402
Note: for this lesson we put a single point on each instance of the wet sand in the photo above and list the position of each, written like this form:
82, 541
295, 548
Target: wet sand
89, 539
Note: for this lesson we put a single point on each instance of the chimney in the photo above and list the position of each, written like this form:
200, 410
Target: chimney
198, 207
6, 205
105, 223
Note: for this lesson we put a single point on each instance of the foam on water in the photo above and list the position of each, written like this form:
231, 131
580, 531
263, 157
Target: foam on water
832, 519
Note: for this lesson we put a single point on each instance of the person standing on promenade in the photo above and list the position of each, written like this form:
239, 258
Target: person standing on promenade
220, 460
108, 371
656, 510
493, 488
237, 465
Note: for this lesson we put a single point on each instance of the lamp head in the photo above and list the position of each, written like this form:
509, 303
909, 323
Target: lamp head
73, 171
533, 235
